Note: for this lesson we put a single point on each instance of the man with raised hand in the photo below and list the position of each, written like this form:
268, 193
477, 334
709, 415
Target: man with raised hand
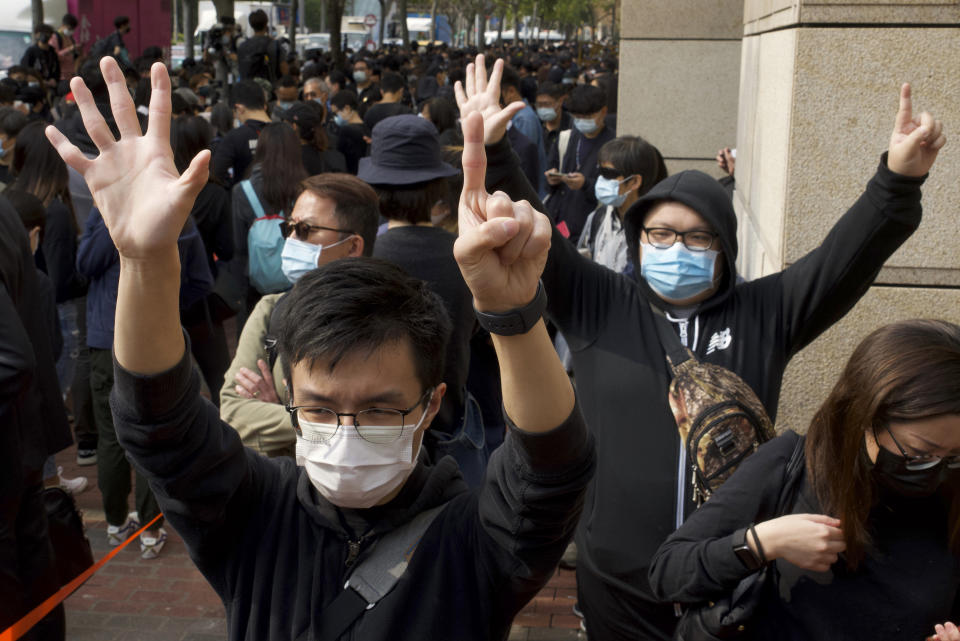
360, 340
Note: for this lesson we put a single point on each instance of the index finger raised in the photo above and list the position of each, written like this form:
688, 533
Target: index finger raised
905, 111
474, 155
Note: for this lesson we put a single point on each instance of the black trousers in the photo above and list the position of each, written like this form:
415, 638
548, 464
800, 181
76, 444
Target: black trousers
113, 468
613, 615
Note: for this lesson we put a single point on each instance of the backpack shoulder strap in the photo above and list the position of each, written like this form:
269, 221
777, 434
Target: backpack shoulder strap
675, 350
792, 476
252, 198
375, 576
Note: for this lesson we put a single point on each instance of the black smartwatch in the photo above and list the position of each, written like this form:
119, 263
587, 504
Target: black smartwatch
742, 549
516, 321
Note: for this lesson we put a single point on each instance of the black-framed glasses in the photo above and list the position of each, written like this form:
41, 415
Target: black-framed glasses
305, 229
378, 425
696, 240
917, 462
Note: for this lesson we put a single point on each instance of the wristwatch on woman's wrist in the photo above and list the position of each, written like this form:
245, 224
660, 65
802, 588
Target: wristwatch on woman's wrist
519, 320
744, 552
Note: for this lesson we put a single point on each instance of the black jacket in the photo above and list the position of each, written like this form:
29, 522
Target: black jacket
234, 153
634, 502
906, 585
277, 553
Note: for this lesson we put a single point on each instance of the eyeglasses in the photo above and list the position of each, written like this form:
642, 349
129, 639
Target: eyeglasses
305, 229
917, 462
378, 425
696, 240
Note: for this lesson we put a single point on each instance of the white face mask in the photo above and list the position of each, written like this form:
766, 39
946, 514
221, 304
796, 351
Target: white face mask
352, 472
299, 257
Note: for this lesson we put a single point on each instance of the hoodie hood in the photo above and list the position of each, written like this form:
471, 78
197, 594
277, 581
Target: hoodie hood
705, 196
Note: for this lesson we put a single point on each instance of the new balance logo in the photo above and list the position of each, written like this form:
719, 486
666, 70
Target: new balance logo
719, 340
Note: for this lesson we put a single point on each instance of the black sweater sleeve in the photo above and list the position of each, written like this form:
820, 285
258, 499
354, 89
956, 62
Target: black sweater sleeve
820, 288
697, 561
533, 495
578, 289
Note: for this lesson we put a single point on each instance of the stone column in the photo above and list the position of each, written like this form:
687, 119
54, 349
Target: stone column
819, 86
679, 77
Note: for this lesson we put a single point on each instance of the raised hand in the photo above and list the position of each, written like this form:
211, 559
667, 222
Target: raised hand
946, 632
808, 541
502, 248
143, 199
915, 141
483, 96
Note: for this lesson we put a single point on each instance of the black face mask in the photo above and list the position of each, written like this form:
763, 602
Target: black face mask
891, 472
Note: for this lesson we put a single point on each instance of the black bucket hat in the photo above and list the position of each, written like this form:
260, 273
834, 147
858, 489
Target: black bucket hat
404, 150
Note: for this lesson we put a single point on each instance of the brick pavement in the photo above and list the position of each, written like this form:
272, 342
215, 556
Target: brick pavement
167, 599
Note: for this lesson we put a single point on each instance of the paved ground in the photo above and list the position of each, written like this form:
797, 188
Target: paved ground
167, 599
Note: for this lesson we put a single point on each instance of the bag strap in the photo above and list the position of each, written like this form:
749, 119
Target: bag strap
375, 576
792, 476
676, 352
252, 198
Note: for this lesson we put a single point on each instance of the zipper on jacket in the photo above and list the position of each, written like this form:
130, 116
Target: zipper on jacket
683, 332
353, 552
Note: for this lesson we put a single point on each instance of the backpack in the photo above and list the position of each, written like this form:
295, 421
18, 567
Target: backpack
264, 247
99, 49
720, 419
259, 62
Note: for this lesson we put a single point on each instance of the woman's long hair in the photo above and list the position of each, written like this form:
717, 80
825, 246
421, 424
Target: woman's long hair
39, 168
281, 167
904, 371
189, 135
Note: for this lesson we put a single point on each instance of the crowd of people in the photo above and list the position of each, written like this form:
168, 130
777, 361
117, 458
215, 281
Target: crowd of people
415, 253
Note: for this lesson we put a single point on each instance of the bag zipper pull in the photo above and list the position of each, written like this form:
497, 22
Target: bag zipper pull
353, 553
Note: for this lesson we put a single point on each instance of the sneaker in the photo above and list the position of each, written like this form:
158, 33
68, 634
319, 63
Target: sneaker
117, 534
150, 546
576, 609
86, 456
71, 486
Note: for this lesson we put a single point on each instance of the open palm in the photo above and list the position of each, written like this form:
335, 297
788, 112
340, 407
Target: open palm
134, 182
483, 96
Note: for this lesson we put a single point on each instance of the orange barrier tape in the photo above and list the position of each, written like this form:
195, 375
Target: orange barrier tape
23, 626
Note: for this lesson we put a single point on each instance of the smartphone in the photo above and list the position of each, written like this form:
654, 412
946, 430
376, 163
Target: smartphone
558, 174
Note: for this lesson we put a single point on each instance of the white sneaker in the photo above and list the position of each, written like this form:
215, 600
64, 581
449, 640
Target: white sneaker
72, 486
117, 534
150, 546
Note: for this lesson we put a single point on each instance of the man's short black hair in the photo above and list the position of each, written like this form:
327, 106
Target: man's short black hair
356, 206
287, 81
510, 78
391, 82
69, 20
353, 306
344, 98
249, 94
258, 20
551, 89
586, 100
45, 30
227, 21
120, 21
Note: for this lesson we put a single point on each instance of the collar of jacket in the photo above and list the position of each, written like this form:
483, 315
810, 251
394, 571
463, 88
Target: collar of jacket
427, 486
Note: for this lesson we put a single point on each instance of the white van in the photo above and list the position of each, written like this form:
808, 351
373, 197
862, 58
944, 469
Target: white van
16, 25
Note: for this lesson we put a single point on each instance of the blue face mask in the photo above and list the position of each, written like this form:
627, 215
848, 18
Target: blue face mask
299, 257
677, 273
546, 114
586, 126
340, 120
607, 191
284, 105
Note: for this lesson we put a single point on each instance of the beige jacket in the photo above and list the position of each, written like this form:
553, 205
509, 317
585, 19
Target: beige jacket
264, 427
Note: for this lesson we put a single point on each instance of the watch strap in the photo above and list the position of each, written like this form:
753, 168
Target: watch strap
519, 320
743, 551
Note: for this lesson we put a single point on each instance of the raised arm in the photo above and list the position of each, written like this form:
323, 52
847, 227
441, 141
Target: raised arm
821, 287
501, 251
144, 203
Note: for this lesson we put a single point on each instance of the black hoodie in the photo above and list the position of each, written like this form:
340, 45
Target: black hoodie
278, 554
751, 328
